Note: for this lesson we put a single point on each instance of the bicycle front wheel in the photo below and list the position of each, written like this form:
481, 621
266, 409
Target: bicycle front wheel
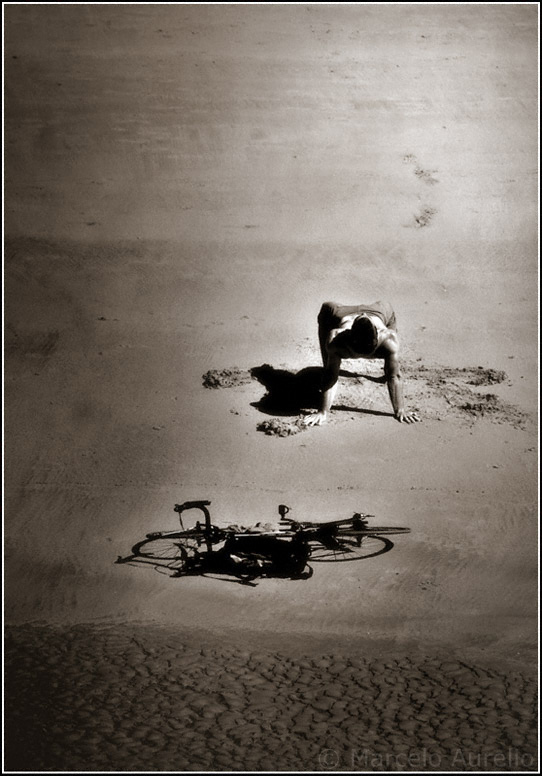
387, 530
349, 547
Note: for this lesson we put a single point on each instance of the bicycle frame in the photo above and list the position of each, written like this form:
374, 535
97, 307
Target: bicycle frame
212, 534
291, 540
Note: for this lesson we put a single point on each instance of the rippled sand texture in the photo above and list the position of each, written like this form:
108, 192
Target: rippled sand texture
138, 699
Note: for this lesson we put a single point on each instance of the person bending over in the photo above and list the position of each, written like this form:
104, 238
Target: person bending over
359, 331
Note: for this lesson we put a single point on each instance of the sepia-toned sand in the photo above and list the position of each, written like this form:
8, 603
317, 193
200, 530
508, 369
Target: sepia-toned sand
185, 186
127, 699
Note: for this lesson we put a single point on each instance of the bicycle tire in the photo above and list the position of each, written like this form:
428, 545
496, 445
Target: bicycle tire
174, 552
350, 548
370, 531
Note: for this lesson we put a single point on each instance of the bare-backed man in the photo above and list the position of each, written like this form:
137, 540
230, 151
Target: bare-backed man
359, 331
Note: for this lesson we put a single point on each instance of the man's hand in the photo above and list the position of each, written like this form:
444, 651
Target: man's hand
407, 417
316, 420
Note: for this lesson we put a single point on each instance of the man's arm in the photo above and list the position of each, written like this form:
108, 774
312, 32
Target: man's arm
329, 389
395, 388
323, 335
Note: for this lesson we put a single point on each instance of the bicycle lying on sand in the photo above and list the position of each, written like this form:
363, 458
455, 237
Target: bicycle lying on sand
248, 553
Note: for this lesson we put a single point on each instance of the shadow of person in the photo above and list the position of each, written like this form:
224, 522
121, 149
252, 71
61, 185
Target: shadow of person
288, 392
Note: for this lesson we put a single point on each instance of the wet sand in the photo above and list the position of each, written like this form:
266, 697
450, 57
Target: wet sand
130, 698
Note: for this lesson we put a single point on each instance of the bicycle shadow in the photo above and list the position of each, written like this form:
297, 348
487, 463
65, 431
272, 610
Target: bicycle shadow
289, 393
220, 568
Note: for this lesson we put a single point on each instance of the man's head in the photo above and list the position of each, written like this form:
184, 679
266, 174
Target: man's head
364, 335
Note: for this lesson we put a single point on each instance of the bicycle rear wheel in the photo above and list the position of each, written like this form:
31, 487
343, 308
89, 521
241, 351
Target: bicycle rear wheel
178, 552
349, 547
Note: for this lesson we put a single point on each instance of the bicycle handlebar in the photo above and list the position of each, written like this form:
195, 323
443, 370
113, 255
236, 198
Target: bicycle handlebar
196, 505
191, 505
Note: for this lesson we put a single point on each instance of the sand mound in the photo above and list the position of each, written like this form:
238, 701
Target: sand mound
226, 378
281, 428
446, 391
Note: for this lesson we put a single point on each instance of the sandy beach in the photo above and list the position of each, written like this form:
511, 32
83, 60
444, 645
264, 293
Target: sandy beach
184, 187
